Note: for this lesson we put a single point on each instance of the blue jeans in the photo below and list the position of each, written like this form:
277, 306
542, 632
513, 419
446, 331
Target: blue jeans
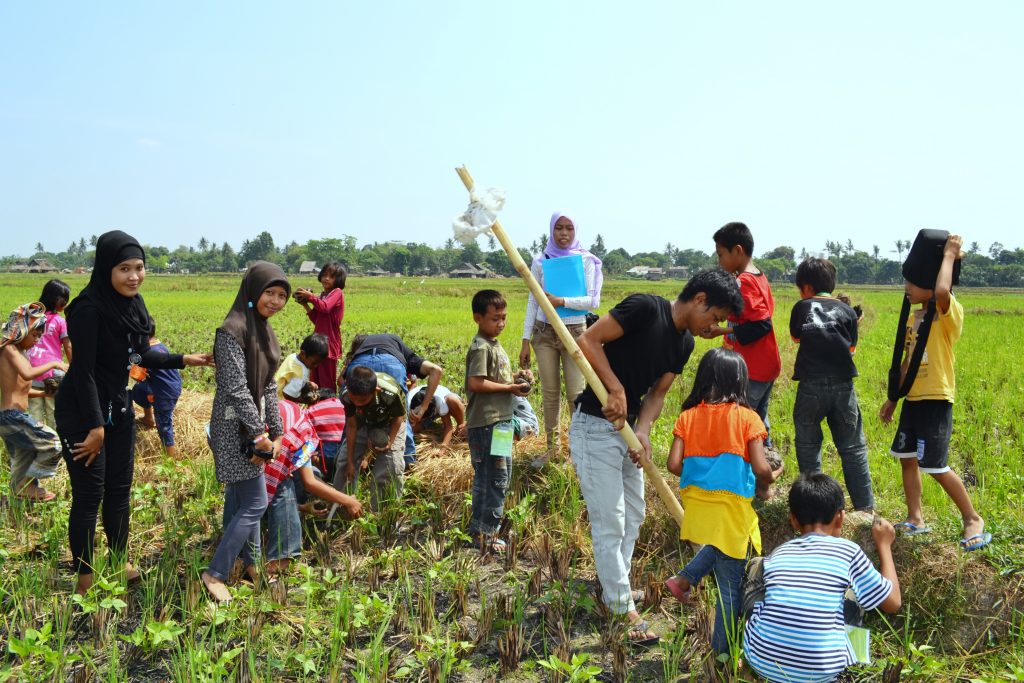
490, 481
385, 362
284, 528
728, 573
244, 505
613, 489
835, 401
758, 394
163, 411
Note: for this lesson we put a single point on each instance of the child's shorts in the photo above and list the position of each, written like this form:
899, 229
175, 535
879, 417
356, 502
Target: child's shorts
923, 433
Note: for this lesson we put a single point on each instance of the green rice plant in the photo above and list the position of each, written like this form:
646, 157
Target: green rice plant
576, 670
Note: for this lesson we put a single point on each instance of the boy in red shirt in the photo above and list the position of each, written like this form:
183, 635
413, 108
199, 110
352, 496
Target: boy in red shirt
750, 333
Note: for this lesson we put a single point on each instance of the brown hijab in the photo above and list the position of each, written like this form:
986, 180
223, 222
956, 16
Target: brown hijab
252, 331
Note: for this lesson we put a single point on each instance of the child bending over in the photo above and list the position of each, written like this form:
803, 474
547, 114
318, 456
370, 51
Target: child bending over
293, 376
157, 392
718, 453
797, 632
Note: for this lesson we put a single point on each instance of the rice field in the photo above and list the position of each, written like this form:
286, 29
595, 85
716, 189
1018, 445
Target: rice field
397, 595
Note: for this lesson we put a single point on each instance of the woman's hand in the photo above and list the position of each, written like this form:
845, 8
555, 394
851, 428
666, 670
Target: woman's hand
90, 447
556, 301
524, 354
194, 360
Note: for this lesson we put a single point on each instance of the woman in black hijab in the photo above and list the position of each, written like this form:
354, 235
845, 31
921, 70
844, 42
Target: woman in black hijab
246, 419
110, 325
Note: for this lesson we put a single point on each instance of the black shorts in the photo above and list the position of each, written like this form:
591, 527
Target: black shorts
923, 433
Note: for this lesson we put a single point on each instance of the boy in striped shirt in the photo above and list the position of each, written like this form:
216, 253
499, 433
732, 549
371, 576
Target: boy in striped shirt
797, 633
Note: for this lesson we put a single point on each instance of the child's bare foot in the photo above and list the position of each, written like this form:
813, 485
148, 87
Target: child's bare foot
131, 574
680, 588
83, 584
147, 421
36, 493
218, 590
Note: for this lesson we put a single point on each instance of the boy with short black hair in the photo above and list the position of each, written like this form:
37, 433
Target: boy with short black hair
926, 419
34, 448
374, 421
750, 332
292, 376
825, 330
490, 392
796, 633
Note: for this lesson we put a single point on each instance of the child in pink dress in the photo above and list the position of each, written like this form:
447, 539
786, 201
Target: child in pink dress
54, 345
327, 311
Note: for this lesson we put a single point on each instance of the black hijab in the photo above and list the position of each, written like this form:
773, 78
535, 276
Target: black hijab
251, 330
125, 315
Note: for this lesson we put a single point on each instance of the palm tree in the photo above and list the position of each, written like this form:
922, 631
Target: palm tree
203, 244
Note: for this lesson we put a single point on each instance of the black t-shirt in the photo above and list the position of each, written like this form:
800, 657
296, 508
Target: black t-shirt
650, 347
393, 345
826, 330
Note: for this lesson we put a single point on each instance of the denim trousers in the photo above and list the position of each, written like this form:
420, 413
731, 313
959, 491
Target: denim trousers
491, 474
835, 401
163, 411
728, 573
284, 528
244, 504
758, 394
385, 362
613, 488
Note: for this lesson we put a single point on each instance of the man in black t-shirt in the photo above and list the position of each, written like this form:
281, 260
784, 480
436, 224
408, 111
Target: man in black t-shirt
637, 349
825, 329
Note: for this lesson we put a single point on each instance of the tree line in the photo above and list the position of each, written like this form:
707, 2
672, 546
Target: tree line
996, 266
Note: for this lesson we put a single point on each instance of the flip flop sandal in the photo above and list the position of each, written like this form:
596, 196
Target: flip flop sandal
911, 529
975, 542
43, 497
641, 635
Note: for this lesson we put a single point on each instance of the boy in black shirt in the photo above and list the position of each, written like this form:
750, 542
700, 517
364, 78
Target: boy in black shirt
636, 349
826, 330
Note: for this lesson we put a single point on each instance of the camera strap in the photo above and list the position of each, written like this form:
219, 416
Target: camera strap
896, 390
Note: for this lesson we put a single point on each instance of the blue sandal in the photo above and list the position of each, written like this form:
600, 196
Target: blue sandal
975, 542
911, 529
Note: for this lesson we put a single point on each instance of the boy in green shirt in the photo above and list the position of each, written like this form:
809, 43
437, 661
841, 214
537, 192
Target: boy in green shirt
490, 391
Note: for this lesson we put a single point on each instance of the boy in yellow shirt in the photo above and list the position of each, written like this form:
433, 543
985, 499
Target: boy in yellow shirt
926, 420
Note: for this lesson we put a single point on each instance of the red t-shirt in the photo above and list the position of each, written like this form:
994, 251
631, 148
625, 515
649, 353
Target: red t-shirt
762, 355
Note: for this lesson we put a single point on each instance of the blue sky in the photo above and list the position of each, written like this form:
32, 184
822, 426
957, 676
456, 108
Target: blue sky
648, 122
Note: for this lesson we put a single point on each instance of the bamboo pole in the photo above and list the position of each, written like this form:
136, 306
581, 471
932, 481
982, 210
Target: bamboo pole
665, 492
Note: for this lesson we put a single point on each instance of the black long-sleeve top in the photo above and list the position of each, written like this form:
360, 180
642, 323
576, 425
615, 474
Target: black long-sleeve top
94, 389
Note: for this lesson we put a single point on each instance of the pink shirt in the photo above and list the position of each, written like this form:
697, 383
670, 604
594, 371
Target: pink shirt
50, 346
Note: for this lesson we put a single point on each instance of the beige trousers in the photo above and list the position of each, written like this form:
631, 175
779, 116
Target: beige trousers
551, 356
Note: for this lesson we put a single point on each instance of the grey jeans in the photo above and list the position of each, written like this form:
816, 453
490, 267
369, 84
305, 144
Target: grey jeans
244, 504
835, 401
388, 467
613, 488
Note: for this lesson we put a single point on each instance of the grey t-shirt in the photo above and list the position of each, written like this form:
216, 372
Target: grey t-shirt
486, 358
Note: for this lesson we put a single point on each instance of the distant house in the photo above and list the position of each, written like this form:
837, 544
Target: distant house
18, 268
678, 273
638, 271
377, 271
655, 273
307, 267
472, 270
40, 265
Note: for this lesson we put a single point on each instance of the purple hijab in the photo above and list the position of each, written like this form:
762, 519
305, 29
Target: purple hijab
552, 250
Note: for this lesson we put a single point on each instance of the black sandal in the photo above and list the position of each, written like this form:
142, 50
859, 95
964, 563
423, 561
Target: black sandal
641, 635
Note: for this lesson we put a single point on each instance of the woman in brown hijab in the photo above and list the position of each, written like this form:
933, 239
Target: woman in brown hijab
245, 421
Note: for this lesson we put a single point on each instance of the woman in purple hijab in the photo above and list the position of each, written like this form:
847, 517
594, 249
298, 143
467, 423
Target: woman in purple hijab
562, 241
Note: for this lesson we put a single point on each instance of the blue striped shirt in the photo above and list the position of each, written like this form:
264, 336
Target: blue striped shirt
797, 634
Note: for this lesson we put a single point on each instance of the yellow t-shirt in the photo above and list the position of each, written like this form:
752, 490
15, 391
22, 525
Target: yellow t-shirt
935, 378
293, 375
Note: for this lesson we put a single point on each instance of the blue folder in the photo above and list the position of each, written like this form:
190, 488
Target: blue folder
564, 276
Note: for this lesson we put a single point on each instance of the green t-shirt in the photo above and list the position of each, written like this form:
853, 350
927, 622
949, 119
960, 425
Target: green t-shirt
487, 359
387, 404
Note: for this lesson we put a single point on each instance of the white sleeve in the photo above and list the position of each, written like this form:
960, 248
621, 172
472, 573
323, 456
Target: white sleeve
532, 308
592, 300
